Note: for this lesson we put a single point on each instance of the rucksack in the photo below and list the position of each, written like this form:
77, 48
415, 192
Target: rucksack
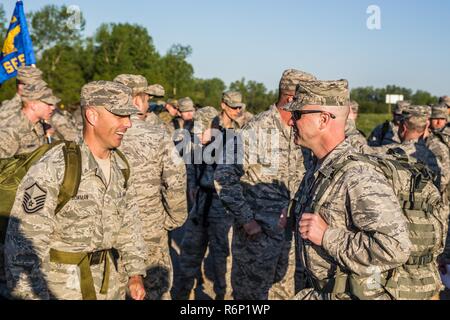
12, 171
427, 217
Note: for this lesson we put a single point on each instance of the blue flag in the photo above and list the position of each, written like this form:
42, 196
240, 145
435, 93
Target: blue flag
18, 48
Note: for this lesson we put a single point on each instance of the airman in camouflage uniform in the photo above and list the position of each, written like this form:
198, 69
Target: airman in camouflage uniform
445, 100
94, 244
209, 225
359, 228
438, 123
159, 176
257, 192
387, 133
170, 114
186, 108
26, 75
154, 91
420, 145
354, 136
61, 120
23, 132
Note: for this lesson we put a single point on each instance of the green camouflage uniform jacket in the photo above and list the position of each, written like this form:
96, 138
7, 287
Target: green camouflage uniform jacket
265, 183
100, 217
10, 107
18, 135
367, 231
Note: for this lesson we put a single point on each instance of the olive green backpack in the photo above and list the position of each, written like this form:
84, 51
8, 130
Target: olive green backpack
427, 217
12, 171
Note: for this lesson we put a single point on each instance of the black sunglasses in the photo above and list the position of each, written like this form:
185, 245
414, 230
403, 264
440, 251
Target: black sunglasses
297, 114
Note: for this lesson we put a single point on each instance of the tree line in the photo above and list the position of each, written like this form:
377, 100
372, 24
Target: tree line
70, 60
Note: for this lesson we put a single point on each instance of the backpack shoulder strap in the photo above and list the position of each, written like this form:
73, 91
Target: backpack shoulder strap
332, 175
72, 174
126, 172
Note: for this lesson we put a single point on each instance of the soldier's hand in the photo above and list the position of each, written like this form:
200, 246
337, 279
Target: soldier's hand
136, 287
252, 229
283, 219
312, 227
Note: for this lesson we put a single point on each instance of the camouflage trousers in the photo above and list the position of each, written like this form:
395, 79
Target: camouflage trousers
197, 239
263, 268
159, 278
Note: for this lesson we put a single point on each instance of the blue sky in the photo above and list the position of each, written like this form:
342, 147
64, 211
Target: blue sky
258, 39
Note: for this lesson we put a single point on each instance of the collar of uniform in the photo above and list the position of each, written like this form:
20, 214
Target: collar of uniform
341, 150
88, 158
92, 164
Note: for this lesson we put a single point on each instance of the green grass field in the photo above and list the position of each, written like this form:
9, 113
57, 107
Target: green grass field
368, 121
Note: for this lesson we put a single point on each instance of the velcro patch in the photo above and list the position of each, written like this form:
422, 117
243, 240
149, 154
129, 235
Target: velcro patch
34, 199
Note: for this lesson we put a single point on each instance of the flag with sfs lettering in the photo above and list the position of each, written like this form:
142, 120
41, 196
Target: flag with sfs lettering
17, 49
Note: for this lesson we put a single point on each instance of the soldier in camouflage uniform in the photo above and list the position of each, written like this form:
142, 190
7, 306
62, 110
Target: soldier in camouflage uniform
445, 100
61, 121
209, 225
186, 108
23, 131
26, 75
206, 223
171, 112
94, 244
159, 177
257, 192
423, 147
154, 91
438, 123
360, 226
387, 133
183, 126
354, 136
420, 145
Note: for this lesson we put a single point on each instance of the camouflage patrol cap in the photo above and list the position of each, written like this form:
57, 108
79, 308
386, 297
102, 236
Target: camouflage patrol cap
173, 102
29, 75
322, 93
421, 113
203, 118
354, 106
186, 105
233, 99
400, 106
439, 111
137, 83
156, 90
445, 100
113, 96
292, 77
39, 92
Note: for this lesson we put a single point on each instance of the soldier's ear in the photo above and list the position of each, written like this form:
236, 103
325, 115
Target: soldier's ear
92, 116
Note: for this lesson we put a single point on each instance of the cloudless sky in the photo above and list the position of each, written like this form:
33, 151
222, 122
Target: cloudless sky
258, 39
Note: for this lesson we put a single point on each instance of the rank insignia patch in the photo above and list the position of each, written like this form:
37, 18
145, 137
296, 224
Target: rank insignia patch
34, 199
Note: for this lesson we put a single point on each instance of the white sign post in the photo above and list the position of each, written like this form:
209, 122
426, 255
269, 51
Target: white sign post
393, 99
